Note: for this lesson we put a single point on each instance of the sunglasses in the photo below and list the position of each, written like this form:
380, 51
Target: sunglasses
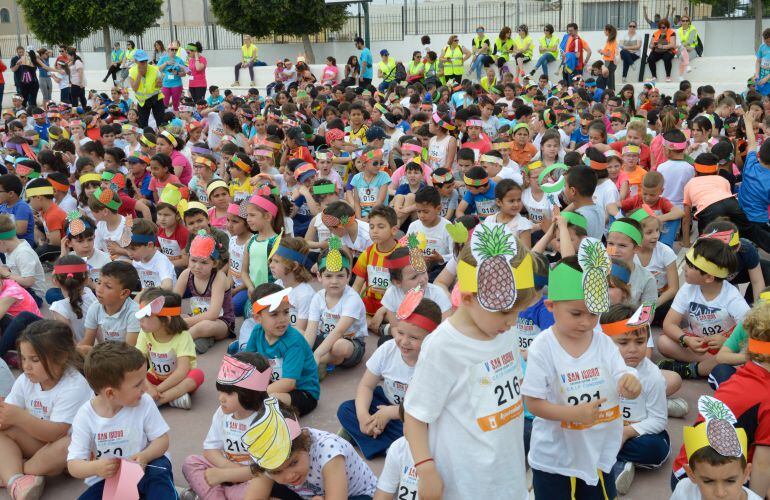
172, 49
685, 20
632, 26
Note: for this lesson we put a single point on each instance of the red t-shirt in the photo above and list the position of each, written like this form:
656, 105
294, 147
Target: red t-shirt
662, 206
482, 145
747, 394
644, 155
157, 186
172, 244
127, 205
54, 219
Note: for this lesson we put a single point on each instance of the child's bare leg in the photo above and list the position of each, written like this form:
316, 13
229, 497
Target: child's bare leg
50, 460
185, 386
207, 328
341, 350
14, 446
673, 382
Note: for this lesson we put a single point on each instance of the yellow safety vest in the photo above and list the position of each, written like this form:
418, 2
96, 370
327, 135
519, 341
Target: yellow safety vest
551, 45
479, 43
520, 43
455, 64
388, 69
684, 36
502, 48
148, 85
247, 52
415, 69
130, 55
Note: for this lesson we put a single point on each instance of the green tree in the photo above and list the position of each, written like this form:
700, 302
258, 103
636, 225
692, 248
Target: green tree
280, 17
66, 21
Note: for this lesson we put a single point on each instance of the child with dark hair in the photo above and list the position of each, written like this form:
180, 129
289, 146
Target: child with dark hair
372, 277
444, 181
676, 171
508, 199
70, 274
480, 195
155, 269
11, 203
40, 194
579, 186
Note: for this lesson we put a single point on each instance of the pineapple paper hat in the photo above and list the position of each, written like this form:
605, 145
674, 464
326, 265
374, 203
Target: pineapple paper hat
588, 283
718, 430
494, 279
334, 260
416, 243
269, 439
76, 225
458, 232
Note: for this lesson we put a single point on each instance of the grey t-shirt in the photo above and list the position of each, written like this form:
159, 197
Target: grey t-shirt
113, 327
594, 215
643, 287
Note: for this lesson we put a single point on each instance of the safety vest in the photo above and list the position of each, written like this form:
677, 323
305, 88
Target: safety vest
477, 44
454, 66
502, 48
486, 84
388, 69
551, 45
431, 69
130, 55
415, 69
248, 51
520, 43
117, 55
688, 38
669, 33
148, 85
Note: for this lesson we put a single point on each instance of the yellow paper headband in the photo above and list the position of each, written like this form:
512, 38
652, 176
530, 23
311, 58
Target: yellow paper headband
524, 276
40, 191
717, 431
705, 265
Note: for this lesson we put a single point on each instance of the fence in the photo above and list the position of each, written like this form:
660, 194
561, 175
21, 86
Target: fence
393, 21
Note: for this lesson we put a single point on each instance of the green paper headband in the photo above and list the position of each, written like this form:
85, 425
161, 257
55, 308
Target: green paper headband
191, 47
8, 235
575, 219
639, 215
554, 187
565, 283
345, 262
625, 228
324, 189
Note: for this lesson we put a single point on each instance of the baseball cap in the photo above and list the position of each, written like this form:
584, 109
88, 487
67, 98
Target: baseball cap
375, 133
384, 52
141, 56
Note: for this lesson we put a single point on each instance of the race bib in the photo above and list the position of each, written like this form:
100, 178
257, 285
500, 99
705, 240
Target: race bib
277, 365
293, 315
199, 305
163, 363
395, 390
633, 410
240, 196
116, 443
535, 214
486, 207
235, 450
706, 321
585, 384
496, 391
169, 247
94, 274
378, 277
149, 278
407, 486
526, 330
368, 196
113, 336
328, 323
39, 407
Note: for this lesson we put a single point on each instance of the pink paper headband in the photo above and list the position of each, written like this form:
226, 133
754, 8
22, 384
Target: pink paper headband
474, 123
245, 375
264, 204
412, 147
676, 146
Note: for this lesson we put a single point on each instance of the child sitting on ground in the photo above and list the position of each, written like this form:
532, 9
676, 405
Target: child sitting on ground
22, 264
154, 268
438, 243
623, 240
70, 274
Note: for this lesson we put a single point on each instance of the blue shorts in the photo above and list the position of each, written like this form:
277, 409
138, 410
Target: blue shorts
558, 487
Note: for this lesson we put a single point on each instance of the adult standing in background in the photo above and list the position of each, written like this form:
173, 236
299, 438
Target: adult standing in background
28, 81
197, 64
145, 80
173, 69
454, 56
16, 68
366, 63
762, 67
481, 47
44, 77
77, 79
549, 50
575, 52
632, 48
158, 51
610, 54
688, 35
249, 53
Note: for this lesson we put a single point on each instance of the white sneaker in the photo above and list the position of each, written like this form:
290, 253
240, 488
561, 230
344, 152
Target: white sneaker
625, 478
236, 83
187, 494
677, 407
183, 402
689, 68
623, 79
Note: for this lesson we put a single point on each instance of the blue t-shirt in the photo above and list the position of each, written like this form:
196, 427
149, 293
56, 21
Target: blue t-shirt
366, 57
290, 356
22, 211
754, 193
215, 101
303, 216
368, 191
763, 55
578, 137
482, 204
170, 78
42, 130
405, 190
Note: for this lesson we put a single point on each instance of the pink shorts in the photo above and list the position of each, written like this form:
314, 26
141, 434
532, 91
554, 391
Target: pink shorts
195, 374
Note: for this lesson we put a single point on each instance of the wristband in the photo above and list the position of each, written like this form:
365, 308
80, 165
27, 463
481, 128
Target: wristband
681, 340
423, 462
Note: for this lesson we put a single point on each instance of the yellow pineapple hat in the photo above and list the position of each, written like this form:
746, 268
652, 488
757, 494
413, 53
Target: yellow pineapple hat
718, 430
588, 283
334, 260
269, 439
494, 247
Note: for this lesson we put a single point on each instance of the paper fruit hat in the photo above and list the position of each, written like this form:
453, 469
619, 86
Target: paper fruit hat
494, 248
718, 430
153, 307
246, 375
171, 195
269, 439
203, 245
125, 238
410, 303
416, 243
458, 232
75, 224
334, 261
641, 318
271, 302
596, 265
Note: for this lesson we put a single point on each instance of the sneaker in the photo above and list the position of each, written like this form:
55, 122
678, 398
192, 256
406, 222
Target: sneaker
236, 83
27, 487
346, 436
183, 402
689, 68
321, 371
668, 79
625, 478
677, 407
188, 494
383, 330
253, 83
624, 79
12, 359
680, 367
203, 344
532, 73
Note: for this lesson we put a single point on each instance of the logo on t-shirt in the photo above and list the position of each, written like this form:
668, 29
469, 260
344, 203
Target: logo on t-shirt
703, 312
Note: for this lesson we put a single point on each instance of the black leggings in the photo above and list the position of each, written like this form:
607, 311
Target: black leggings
727, 207
652, 61
112, 71
12, 327
197, 93
78, 95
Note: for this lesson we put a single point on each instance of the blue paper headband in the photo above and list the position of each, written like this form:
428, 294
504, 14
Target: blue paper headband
142, 239
293, 255
540, 281
621, 273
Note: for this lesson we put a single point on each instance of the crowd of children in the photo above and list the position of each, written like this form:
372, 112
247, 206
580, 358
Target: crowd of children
543, 266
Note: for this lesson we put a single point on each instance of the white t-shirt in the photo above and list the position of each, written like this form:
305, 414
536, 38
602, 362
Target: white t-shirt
710, 317
225, 435
676, 173
468, 392
350, 305
95, 264
662, 256
321, 230
363, 240
564, 139
399, 475
236, 260
121, 436
387, 363
517, 225
559, 378
323, 447
647, 414
113, 327
394, 296
630, 40
536, 209
58, 404
102, 234
153, 272
68, 203
437, 151
299, 299
687, 490
512, 172
24, 262
64, 307
606, 192
437, 238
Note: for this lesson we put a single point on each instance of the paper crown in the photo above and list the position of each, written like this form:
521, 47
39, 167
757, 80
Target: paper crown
641, 318
416, 243
729, 237
717, 431
589, 284
494, 248
204, 246
245, 375
706, 265
171, 195
76, 225
271, 302
269, 439
406, 312
334, 261
575, 219
157, 307
548, 186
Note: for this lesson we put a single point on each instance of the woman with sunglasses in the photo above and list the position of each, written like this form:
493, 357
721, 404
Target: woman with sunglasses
522, 48
632, 48
663, 46
173, 69
197, 64
688, 37
453, 57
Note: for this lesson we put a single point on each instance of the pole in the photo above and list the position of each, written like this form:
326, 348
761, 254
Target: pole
18, 22
416, 20
170, 21
465, 16
360, 28
518, 8
367, 38
452, 22
643, 63
206, 22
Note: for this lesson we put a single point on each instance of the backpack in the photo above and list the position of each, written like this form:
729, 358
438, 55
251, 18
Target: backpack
400, 72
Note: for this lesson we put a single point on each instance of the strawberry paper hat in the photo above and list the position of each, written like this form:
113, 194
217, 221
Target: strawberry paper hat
245, 375
204, 246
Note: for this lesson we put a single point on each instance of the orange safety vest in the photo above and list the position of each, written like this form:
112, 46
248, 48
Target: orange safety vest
669, 33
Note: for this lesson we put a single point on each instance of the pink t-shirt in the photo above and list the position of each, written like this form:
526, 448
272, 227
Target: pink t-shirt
700, 192
178, 159
399, 176
330, 74
217, 222
198, 78
24, 301
157, 186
